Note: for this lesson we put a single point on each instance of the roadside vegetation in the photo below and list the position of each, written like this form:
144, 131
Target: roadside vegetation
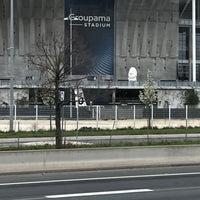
91, 132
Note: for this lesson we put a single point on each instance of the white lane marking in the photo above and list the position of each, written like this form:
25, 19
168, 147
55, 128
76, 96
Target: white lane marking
99, 178
97, 193
37, 198
176, 188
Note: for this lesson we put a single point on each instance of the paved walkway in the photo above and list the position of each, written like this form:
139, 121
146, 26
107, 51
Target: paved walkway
99, 139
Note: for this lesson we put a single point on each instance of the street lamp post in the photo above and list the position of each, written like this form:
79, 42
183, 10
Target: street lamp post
194, 40
71, 60
11, 48
71, 56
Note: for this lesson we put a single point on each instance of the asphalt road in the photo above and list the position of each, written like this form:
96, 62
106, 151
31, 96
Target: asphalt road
138, 184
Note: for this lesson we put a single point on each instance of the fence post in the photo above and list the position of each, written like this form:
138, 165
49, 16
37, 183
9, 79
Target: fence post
93, 116
169, 115
186, 116
77, 117
99, 112
116, 116
97, 117
70, 105
152, 116
36, 118
62, 115
186, 120
15, 118
133, 116
65, 125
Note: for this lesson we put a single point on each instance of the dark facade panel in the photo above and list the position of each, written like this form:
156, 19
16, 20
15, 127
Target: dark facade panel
92, 24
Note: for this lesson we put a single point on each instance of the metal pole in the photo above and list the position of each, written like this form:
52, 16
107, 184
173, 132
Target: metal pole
15, 118
97, 117
134, 116
36, 117
194, 40
186, 120
169, 115
62, 118
152, 116
116, 115
71, 59
77, 113
11, 48
186, 116
70, 107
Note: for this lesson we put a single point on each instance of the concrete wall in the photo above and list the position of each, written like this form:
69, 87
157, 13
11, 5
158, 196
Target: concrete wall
34, 125
147, 38
79, 159
32, 20
146, 34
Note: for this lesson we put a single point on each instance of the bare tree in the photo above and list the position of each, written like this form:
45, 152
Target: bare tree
48, 59
51, 59
149, 95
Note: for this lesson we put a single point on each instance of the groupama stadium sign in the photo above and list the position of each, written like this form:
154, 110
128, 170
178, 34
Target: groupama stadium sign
91, 24
90, 21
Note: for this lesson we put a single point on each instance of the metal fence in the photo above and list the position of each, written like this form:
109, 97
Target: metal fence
107, 112
34, 118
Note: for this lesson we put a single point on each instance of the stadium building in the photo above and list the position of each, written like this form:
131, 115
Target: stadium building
125, 39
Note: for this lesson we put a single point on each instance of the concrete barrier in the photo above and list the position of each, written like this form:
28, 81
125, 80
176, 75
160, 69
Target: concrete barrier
97, 158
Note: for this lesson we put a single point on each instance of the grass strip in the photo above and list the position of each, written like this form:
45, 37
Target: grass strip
92, 132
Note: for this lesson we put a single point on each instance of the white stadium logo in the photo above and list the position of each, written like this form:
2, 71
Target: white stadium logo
90, 21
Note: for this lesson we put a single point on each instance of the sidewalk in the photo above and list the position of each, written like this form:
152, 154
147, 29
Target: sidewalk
99, 139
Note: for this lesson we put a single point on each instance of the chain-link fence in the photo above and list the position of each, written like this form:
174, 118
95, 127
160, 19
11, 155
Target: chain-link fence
107, 112
129, 115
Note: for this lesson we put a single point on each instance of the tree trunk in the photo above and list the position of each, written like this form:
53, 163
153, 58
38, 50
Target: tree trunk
50, 106
148, 121
149, 117
58, 127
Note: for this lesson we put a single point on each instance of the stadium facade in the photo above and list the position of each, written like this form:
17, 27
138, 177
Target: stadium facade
126, 38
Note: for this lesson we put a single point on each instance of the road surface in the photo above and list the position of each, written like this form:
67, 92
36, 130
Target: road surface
139, 184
